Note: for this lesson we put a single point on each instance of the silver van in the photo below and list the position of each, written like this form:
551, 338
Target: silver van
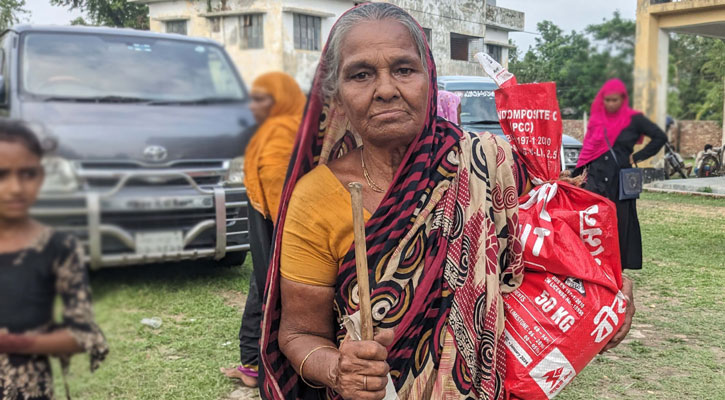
150, 129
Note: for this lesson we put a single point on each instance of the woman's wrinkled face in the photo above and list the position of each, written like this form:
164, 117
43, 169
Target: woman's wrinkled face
21, 176
261, 105
612, 102
382, 87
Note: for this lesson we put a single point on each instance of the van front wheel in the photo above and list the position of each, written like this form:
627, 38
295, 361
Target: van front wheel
232, 260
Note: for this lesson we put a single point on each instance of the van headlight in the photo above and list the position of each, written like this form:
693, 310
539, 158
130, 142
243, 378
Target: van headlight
235, 173
60, 175
571, 156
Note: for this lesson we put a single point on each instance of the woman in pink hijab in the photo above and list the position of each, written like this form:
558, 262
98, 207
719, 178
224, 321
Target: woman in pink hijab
613, 121
449, 106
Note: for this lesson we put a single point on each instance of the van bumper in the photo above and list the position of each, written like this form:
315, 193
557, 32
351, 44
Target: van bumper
118, 227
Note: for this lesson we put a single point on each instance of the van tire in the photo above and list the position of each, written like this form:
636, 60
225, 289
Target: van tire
232, 260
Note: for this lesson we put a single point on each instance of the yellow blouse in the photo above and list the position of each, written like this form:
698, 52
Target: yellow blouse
318, 229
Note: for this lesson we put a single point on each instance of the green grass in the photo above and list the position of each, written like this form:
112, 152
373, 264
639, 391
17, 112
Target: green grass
201, 309
676, 349
679, 349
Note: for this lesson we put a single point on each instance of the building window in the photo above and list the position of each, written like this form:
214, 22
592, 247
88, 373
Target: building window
428, 34
176, 26
251, 31
216, 24
464, 47
307, 32
459, 47
495, 51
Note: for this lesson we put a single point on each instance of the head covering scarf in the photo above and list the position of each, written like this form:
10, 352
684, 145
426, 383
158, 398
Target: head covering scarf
603, 123
448, 106
268, 152
442, 246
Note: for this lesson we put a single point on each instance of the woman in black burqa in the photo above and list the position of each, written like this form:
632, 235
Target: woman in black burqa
613, 131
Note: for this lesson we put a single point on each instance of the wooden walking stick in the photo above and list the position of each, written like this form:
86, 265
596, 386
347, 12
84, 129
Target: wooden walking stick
361, 261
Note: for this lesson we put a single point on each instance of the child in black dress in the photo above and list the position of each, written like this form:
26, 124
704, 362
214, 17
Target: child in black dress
36, 265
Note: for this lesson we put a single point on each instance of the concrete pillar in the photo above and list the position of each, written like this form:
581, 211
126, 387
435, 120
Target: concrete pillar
650, 70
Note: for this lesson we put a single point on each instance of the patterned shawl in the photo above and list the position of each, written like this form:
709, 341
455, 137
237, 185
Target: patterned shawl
442, 246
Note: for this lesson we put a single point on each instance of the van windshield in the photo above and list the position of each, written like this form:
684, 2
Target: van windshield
100, 67
477, 106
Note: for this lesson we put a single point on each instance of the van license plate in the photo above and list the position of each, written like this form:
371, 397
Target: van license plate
159, 242
158, 203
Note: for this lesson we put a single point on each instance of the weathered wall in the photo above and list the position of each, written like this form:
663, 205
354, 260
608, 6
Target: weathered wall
466, 17
303, 63
443, 17
694, 135
504, 17
574, 128
278, 53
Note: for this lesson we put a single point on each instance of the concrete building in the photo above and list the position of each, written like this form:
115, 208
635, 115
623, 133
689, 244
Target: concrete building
655, 20
288, 35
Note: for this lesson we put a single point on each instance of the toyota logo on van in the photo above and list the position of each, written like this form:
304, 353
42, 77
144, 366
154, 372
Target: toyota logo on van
155, 153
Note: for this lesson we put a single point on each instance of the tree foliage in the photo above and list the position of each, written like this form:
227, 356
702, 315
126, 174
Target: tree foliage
564, 58
696, 77
117, 13
11, 11
580, 62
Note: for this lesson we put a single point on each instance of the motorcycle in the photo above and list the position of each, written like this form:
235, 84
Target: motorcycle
674, 163
712, 163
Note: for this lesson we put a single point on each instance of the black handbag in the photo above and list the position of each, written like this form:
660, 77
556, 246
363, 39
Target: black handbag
630, 179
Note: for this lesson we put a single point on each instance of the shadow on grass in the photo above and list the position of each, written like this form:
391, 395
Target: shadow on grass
177, 275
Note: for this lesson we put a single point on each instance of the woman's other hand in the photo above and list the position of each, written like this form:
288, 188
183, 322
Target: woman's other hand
627, 289
361, 371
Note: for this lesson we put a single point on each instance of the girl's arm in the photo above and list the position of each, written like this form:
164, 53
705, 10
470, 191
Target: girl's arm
55, 343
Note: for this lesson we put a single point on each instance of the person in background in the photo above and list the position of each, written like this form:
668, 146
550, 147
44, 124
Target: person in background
36, 265
701, 155
449, 106
614, 129
277, 105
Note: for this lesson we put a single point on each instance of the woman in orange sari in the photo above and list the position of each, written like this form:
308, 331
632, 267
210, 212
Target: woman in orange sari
277, 105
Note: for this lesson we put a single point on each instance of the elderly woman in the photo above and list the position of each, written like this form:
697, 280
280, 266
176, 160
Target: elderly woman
441, 210
442, 231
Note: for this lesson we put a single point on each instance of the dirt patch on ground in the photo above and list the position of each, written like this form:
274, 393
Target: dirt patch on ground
234, 299
650, 335
243, 393
675, 209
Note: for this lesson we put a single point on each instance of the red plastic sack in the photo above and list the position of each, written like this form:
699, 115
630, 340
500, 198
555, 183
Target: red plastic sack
530, 118
569, 304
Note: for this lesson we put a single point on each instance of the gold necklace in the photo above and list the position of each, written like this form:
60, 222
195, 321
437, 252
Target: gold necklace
372, 184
